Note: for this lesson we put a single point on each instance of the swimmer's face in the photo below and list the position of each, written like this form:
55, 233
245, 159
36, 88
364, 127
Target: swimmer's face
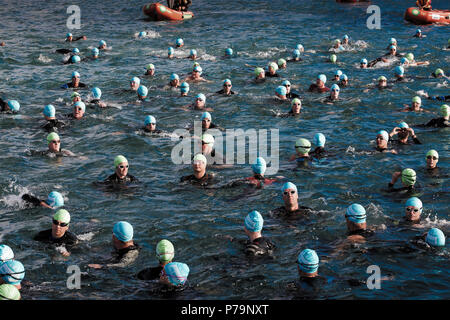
336, 77
122, 169
271, 70
78, 112
412, 213
206, 123
296, 107
193, 56
163, 278
320, 83
134, 85
151, 126
199, 103
290, 196
198, 166
59, 230
334, 94
381, 142
150, 72
69, 38
174, 82
227, 87
382, 83
432, 162
195, 74
76, 99
345, 41
75, 81
206, 148
416, 105
344, 82
403, 133
288, 88
261, 75
393, 51
283, 66
363, 65
54, 145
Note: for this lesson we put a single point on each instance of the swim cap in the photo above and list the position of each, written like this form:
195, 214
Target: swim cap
335, 87
439, 71
356, 213
273, 65
226, 81
259, 166
174, 76
410, 57
165, 251
176, 273
338, 73
102, 43
319, 139
418, 31
346, 37
49, 111
75, 51
403, 125
52, 136
296, 100
393, 47
445, 110
170, 50
142, 91
184, 87
150, 66
206, 115
75, 74
14, 105
142, 34
435, 237
229, 52
55, 199
336, 41
300, 47
414, 202
75, 59
199, 69
195, 64
432, 153
408, 177
119, 159
308, 261
303, 145
333, 58
74, 94
96, 93
384, 134
81, 105
9, 292
258, 71
417, 99
281, 90
193, 52
12, 272
322, 78
399, 70
343, 77
382, 78
281, 62
6, 253
392, 41
95, 52
123, 231
404, 61
200, 157
68, 35
254, 221
286, 83
62, 215
136, 80
149, 119
364, 60
201, 96
289, 185
207, 138
179, 42
296, 53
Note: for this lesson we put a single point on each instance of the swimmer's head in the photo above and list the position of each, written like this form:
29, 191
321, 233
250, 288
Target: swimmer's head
296, 105
75, 96
392, 49
142, 34
288, 186
177, 273
9, 292
399, 71
273, 66
170, 51
12, 272
363, 63
302, 146
445, 110
49, 111
150, 66
198, 69
281, 90
165, 251
333, 58
343, 77
413, 209
179, 42
62, 215
418, 31
206, 115
403, 125
75, 59
200, 159
193, 52
432, 158
438, 72
123, 231
345, 37
254, 221
149, 120
79, 106
384, 135
382, 79
338, 73
53, 141
408, 177
356, 213
68, 35
404, 61
259, 71
336, 41
300, 47
119, 159
202, 97
142, 92
308, 261
174, 76
207, 139
13, 105
281, 63
416, 99
296, 53
335, 87
6, 253
184, 87
229, 52
75, 74
259, 167
319, 140
75, 51
95, 52
322, 78
96, 93
392, 41
102, 43
435, 237
226, 82
410, 57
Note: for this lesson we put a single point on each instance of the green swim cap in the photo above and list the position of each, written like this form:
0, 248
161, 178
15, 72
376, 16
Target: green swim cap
382, 78
118, 160
165, 251
410, 57
273, 65
75, 94
432, 153
258, 71
445, 110
207, 138
408, 177
200, 157
296, 100
150, 66
281, 62
303, 145
52, 136
333, 58
9, 292
62, 215
439, 71
417, 99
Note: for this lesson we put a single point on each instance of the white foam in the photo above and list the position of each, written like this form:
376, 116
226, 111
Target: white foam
44, 59
86, 236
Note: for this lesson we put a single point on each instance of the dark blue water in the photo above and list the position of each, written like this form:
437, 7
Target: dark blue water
198, 221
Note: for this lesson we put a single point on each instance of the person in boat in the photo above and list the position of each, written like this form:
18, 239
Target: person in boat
424, 4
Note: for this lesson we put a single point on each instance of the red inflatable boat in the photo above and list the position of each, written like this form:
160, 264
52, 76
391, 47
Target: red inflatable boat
161, 12
417, 16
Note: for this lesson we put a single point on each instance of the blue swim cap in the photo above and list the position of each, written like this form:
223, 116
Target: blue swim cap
49, 111
75, 59
101, 43
346, 37
14, 105
142, 34
296, 53
392, 41
414, 202
201, 96
418, 31
343, 77
68, 35
364, 61
289, 185
356, 213
399, 70
338, 73
75, 51
308, 261
254, 221
123, 231
81, 105
259, 166
403, 125
300, 47
392, 47
142, 91
176, 272
136, 80
174, 76
286, 83
179, 42
404, 60
199, 69
170, 50
226, 81
12, 272
95, 52
193, 52
335, 87
6, 253
75, 74
206, 115
322, 78
319, 140
229, 52
55, 199
184, 87
435, 237
149, 119
281, 90
384, 134
96, 93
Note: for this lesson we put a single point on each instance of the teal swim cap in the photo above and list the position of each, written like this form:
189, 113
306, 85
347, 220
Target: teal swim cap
384, 134
393, 47
201, 96
296, 53
432, 153
338, 73
136, 80
229, 52
308, 261
55, 199
403, 125
12, 272
343, 77
49, 111
75, 59
149, 120
319, 140
96, 93
9, 292
142, 34
200, 157
199, 69
286, 83
123, 231
62, 215
207, 138
254, 221
273, 65
303, 145
414, 202
363, 61
408, 177
346, 37
226, 81
333, 58
289, 185
142, 91
259, 167
356, 213
206, 115
445, 110
52, 136
404, 61
435, 237
322, 78
165, 251
170, 50
281, 90
14, 105
392, 41
258, 71
399, 70
6, 253
193, 52
174, 76
75, 74
150, 66
179, 42
281, 61
335, 87
68, 35
416, 99
410, 57
418, 31
184, 87
75, 51
80, 104
95, 52
300, 47
119, 159
102, 43
177, 273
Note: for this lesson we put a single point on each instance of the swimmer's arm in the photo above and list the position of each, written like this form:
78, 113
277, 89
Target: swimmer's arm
31, 199
80, 38
394, 132
126, 260
425, 63
292, 158
394, 179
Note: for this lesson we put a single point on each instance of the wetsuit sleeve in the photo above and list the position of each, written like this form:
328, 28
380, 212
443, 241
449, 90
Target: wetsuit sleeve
150, 273
126, 260
43, 235
71, 240
65, 86
416, 141
79, 38
31, 199
63, 51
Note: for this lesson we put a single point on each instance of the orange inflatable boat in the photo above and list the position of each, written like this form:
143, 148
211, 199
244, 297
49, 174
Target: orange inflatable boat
161, 12
417, 16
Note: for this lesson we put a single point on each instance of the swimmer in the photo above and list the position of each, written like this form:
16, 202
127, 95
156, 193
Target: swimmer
300, 47
196, 75
392, 42
403, 131
213, 157
150, 70
97, 94
319, 86
165, 253
408, 177
345, 40
363, 63
226, 88
184, 89
280, 93
334, 94
260, 75
413, 63
200, 176
228, 53
6, 253
10, 106
150, 125
302, 148
175, 274
75, 97
357, 230
199, 103
53, 201
142, 93
337, 74
2, 44
333, 58
382, 142
126, 250
308, 264
179, 43
9, 292
442, 122
432, 158
52, 124
170, 52
291, 208
337, 46
258, 179
70, 38
120, 176
78, 111
95, 53
73, 59
135, 82
272, 68
12, 272
75, 82
381, 84
385, 58
413, 210
399, 72
192, 54
59, 234
439, 73
439, 98
289, 93
296, 107
206, 122
54, 146
319, 141
102, 45
174, 81
343, 80
416, 105
282, 63
257, 245
295, 56
434, 239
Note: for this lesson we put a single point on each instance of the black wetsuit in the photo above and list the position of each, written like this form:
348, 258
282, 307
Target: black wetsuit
75, 39
211, 126
374, 62
115, 180
63, 51
319, 152
440, 98
292, 95
3, 105
69, 61
68, 239
203, 181
154, 131
397, 142
123, 257
31, 199
276, 75
409, 189
150, 273
223, 92
70, 85
293, 60
436, 123
299, 213
53, 125
259, 246
328, 99
288, 114
361, 232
